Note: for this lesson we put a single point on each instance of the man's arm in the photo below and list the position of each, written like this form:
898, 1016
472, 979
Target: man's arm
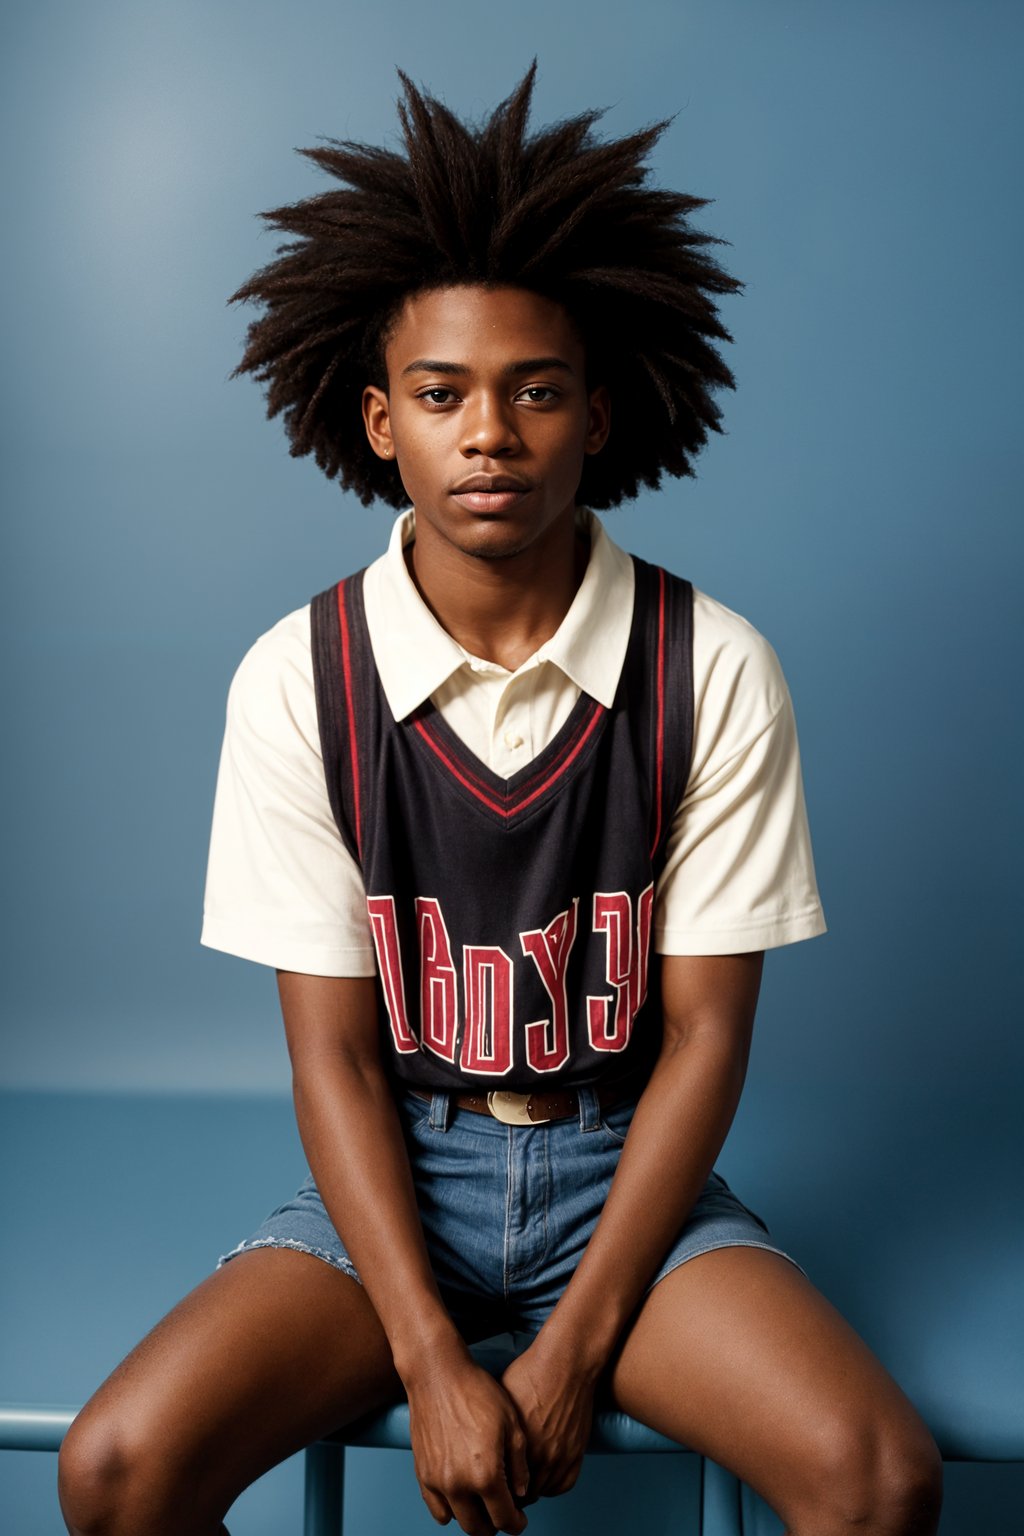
677, 1131
465, 1429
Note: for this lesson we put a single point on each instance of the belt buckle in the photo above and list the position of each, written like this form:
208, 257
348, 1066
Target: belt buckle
510, 1107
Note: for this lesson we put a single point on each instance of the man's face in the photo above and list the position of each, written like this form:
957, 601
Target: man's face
486, 386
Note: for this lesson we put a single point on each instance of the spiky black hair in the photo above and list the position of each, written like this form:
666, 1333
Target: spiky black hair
558, 213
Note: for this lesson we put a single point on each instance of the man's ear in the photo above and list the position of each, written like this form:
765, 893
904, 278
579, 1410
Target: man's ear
599, 421
377, 420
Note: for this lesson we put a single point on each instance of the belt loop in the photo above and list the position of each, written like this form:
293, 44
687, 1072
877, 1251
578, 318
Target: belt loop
440, 1109
590, 1108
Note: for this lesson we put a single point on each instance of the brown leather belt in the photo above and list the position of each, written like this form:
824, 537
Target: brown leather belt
536, 1108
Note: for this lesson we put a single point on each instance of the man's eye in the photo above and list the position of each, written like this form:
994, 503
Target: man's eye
438, 389
541, 389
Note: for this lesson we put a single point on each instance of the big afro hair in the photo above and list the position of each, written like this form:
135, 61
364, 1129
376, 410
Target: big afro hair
557, 212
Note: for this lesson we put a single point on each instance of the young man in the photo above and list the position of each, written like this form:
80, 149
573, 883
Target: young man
514, 816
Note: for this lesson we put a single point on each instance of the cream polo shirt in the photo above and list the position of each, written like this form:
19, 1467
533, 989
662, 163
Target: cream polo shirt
282, 889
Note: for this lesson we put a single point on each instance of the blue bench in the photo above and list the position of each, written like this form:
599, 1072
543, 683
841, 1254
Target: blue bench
944, 1318
42, 1428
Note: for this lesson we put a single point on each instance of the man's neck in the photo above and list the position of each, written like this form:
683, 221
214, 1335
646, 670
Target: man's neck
502, 610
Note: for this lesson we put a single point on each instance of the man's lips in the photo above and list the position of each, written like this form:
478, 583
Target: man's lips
489, 501
491, 493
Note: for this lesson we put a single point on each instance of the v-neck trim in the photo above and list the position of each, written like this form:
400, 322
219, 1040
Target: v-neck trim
530, 785
425, 733
448, 754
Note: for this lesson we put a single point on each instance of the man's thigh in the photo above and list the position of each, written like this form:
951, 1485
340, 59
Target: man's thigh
737, 1355
265, 1355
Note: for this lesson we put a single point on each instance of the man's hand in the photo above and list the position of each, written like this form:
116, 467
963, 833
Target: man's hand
556, 1408
468, 1446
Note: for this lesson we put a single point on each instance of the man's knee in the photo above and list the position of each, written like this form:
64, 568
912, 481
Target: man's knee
114, 1480
877, 1481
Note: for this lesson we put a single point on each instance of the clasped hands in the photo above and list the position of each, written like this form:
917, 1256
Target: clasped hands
484, 1449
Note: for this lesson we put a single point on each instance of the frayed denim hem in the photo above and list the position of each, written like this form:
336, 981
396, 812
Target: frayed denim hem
335, 1261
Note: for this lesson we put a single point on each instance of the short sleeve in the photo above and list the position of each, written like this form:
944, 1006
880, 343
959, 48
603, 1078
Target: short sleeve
739, 872
281, 887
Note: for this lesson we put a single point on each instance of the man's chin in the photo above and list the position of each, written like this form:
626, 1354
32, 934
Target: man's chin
497, 552
491, 540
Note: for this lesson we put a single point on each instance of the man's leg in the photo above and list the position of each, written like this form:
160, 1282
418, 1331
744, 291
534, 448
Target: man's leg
267, 1354
735, 1354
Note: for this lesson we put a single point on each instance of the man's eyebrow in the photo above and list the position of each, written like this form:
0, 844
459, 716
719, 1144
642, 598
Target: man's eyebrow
512, 370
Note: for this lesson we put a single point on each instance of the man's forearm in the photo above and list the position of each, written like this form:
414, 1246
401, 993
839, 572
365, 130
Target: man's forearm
353, 1139
677, 1131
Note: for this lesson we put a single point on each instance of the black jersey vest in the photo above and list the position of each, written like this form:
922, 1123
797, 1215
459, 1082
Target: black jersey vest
512, 917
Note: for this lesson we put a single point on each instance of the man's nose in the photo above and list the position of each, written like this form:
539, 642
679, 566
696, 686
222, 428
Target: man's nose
488, 428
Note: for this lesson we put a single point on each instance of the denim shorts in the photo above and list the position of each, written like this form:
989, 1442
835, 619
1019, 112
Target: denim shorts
507, 1210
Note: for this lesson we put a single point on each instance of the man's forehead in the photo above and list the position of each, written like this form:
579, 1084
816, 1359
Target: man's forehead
461, 323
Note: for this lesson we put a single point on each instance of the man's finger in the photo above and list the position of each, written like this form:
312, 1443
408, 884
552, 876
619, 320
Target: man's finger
541, 1475
517, 1463
438, 1507
502, 1510
475, 1512
562, 1481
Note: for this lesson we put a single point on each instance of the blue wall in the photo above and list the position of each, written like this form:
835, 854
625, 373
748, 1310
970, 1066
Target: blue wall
863, 511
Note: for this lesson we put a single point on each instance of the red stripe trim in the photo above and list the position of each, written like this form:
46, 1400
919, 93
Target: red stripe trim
513, 806
659, 753
438, 752
555, 766
346, 667
598, 712
469, 777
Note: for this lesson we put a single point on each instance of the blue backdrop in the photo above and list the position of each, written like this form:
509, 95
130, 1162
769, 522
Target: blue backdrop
863, 511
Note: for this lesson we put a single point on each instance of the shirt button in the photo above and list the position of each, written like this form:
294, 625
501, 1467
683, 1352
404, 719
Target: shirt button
512, 741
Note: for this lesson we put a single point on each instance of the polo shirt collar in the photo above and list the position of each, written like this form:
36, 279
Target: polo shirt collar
415, 655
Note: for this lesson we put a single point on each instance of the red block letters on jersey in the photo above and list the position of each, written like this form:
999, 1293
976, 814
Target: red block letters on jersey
389, 965
627, 967
547, 1040
488, 971
487, 1042
439, 1006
